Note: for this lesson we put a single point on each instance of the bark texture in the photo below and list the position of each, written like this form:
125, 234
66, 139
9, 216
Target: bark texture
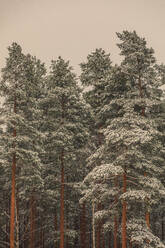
124, 206
13, 183
62, 203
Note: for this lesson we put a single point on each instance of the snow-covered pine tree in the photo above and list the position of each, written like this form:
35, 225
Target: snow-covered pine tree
66, 133
10, 77
101, 182
140, 65
20, 135
34, 71
158, 114
132, 147
93, 75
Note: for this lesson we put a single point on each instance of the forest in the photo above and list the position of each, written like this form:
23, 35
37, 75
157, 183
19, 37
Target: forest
82, 158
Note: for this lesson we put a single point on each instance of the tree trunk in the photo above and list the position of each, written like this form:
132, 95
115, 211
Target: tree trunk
17, 224
62, 202
25, 229
83, 226
148, 219
93, 224
12, 213
76, 227
147, 215
103, 240
115, 220
43, 238
32, 222
124, 237
110, 240
162, 220
98, 231
115, 232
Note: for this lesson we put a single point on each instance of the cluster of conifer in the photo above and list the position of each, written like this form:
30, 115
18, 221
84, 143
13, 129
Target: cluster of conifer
82, 161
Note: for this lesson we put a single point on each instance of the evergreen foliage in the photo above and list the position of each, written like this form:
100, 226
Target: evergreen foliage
83, 166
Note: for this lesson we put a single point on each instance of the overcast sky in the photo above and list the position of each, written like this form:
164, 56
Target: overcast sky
75, 28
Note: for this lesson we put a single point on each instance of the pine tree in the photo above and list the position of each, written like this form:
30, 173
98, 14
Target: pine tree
66, 133
132, 146
94, 72
139, 64
21, 135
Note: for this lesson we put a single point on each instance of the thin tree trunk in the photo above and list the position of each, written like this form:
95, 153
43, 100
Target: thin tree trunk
76, 227
17, 224
43, 233
147, 215
124, 205
12, 213
115, 221
103, 240
115, 232
25, 230
162, 224
148, 219
110, 240
32, 222
62, 202
83, 226
98, 231
55, 226
43, 238
67, 224
93, 224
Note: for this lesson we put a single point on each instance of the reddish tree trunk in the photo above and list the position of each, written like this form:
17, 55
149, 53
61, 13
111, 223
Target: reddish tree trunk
83, 226
124, 205
25, 229
62, 203
12, 211
103, 240
115, 231
98, 231
115, 220
32, 222
17, 221
148, 219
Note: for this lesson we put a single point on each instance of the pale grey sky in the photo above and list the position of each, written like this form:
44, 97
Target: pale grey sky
74, 28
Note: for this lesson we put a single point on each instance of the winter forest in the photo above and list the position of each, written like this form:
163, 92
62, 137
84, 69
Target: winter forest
82, 159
